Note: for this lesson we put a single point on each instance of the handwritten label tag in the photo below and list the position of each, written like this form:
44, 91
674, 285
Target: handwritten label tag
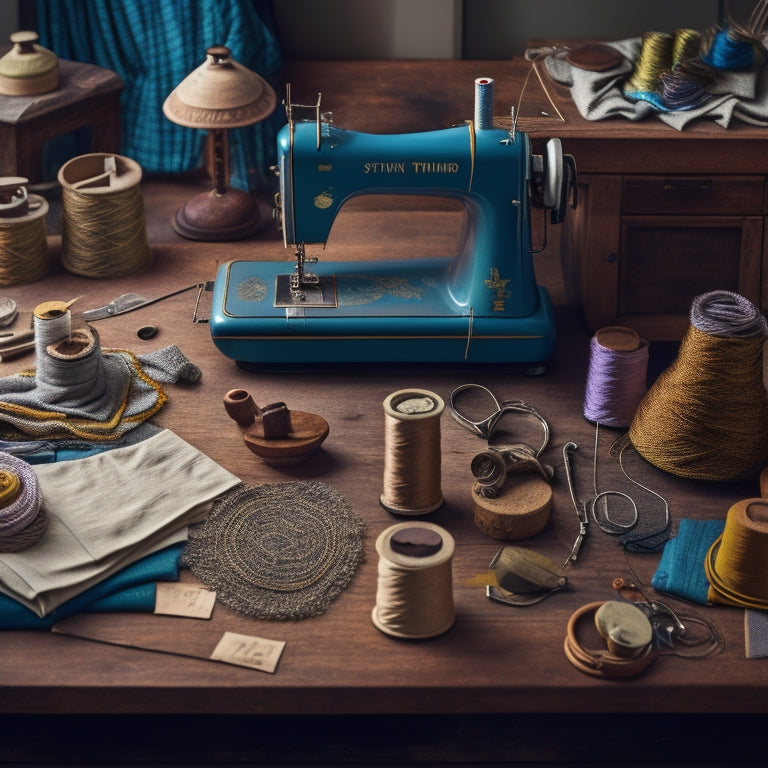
249, 651
177, 599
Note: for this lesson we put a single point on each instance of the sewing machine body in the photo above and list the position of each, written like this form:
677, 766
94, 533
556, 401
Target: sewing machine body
481, 304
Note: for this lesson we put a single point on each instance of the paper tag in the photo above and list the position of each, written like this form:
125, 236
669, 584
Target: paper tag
177, 599
249, 651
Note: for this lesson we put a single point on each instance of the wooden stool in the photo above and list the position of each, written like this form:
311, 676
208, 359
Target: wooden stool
87, 96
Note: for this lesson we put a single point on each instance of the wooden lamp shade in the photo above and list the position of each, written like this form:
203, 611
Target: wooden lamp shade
220, 94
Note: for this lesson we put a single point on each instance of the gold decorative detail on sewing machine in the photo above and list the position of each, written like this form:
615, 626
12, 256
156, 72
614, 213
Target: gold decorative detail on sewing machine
498, 284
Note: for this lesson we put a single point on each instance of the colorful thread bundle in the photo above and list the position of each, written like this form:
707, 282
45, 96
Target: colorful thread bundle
414, 597
616, 378
706, 416
412, 472
104, 230
23, 520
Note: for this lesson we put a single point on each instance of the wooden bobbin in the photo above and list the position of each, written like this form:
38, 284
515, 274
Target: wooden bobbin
520, 511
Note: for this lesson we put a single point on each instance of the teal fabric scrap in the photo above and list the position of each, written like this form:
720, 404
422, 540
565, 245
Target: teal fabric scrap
131, 589
681, 569
153, 46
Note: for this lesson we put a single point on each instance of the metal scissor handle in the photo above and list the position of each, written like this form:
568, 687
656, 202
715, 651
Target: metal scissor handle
485, 427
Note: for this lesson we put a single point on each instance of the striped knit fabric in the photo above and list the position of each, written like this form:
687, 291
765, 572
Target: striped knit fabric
153, 46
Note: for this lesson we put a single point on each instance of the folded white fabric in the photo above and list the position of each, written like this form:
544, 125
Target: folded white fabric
108, 510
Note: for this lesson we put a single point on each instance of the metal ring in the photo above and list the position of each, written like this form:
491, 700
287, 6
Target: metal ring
613, 527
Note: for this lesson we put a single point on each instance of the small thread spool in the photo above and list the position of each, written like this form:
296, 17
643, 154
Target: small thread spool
23, 235
414, 596
23, 520
654, 59
736, 565
616, 378
484, 90
412, 472
104, 231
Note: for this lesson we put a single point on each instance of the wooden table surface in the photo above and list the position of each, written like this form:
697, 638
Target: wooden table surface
497, 686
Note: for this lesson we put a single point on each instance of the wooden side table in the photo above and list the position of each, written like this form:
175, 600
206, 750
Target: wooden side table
87, 96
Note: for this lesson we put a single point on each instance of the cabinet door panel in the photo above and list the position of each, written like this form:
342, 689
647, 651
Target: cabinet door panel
666, 261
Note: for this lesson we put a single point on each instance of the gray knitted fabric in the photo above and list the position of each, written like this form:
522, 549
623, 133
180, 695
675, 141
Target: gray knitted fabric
100, 396
598, 95
277, 551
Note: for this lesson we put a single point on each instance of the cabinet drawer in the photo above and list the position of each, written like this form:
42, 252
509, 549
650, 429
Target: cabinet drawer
720, 195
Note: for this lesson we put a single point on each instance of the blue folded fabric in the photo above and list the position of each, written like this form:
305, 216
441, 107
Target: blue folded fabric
681, 569
131, 589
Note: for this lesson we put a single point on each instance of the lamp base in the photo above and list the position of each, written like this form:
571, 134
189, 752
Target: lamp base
214, 216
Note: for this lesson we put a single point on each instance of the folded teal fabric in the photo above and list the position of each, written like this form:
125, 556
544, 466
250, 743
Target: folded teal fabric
132, 589
681, 569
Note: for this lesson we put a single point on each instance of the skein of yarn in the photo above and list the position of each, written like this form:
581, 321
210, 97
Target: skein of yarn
706, 416
616, 378
23, 520
104, 229
414, 597
412, 471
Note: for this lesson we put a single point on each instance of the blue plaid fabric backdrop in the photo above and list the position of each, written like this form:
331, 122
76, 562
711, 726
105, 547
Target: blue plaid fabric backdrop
153, 45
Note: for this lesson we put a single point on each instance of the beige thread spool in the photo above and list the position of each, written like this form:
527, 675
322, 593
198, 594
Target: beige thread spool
28, 69
23, 235
412, 473
414, 596
104, 230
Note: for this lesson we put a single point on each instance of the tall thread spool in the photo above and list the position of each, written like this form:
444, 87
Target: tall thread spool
104, 231
23, 235
484, 94
412, 456
414, 595
706, 416
616, 378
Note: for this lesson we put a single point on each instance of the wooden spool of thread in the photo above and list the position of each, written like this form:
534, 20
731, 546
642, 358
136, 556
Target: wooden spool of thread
616, 378
28, 69
412, 456
23, 236
736, 565
104, 232
414, 596
706, 416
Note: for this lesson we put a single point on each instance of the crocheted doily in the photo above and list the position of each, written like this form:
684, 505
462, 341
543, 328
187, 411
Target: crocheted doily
277, 551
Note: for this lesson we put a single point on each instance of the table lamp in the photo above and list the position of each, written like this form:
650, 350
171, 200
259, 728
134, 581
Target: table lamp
219, 95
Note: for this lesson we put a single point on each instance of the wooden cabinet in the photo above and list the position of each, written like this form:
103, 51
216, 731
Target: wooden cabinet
639, 248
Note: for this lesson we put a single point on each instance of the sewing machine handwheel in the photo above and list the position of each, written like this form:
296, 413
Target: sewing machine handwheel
553, 174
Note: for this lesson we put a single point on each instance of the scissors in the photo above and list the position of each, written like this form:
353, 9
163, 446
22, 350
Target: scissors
485, 427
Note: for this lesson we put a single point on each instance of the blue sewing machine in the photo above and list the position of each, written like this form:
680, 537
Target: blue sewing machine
479, 305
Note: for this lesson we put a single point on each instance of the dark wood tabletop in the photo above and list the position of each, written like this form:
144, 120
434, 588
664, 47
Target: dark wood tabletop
497, 686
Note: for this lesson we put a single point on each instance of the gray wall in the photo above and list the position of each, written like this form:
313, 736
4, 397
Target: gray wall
472, 29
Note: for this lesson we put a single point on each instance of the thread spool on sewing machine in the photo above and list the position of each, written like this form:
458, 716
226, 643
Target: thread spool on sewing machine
481, 304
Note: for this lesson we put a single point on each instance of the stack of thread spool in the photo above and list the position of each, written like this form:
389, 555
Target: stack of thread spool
104, 231
706, 416
23, 235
